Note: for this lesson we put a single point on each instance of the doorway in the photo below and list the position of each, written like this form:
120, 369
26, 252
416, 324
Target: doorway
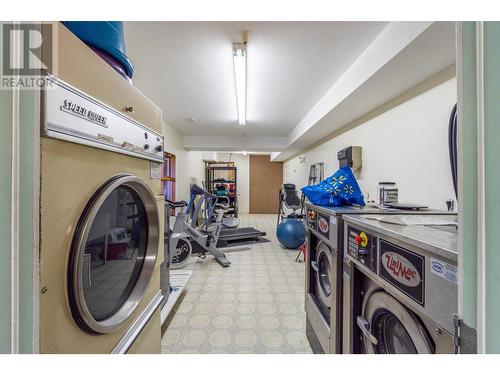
266, 178
168, 178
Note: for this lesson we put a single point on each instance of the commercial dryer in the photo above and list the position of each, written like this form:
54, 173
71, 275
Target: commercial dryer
101, 227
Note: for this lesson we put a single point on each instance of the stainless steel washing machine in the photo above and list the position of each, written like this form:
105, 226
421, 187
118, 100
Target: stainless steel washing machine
324, 264
319, 281
400, 286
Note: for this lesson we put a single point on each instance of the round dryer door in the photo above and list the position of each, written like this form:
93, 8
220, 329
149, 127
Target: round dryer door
113, 254
394, 329
323, 269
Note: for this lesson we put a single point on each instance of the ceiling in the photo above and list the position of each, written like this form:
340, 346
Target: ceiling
186, 69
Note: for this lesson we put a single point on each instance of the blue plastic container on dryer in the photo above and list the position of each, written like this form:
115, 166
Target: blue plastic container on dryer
107, 38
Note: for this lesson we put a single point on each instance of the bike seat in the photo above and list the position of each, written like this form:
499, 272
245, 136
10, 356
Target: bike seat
177, 204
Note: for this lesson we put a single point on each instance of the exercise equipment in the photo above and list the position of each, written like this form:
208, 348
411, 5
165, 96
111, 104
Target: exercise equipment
185, 228
223, 174
291, 233
230, 234
177, 258
316, 173
289, 198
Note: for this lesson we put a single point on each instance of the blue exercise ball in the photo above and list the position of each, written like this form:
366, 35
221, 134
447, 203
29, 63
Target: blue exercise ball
291, 233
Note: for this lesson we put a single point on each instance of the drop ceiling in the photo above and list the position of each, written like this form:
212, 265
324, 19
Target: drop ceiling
305, 79
186, 69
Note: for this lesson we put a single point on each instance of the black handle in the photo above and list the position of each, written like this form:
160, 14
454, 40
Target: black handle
177, 204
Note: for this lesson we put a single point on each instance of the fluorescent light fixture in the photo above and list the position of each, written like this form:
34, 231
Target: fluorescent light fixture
240, 78
244, 153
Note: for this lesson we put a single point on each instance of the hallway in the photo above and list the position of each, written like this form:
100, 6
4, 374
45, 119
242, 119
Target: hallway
254, 306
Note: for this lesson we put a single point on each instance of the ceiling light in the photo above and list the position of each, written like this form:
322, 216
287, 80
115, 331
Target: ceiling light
244, 153
240, 77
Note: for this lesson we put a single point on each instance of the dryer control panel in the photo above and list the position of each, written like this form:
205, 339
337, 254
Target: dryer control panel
71, 115
362, 247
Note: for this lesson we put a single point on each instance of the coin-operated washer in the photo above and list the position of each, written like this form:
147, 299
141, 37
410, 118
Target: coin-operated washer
400, 287
325, 245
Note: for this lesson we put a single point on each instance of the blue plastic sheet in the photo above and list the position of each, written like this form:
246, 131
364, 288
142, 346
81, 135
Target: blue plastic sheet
339, 189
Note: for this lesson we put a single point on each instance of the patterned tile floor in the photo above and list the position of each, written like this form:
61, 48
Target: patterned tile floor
254, 306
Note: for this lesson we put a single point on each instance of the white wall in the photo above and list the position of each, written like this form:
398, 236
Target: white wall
189, 164
190, 167
242, 162
407, 144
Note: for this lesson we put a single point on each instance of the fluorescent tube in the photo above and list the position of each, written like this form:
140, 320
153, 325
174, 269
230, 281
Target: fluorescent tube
240, 78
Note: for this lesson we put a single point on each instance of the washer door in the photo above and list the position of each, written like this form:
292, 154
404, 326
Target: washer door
113, 254
393, 328
323, 273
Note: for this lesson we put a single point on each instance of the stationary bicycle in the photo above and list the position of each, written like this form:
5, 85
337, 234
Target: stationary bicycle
185, 228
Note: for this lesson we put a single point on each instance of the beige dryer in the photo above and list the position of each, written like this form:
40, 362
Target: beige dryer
101, 228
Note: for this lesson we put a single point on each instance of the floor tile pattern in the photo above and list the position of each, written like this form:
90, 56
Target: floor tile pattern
254, 306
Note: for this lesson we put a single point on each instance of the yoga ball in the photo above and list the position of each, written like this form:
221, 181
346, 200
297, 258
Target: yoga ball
291, 233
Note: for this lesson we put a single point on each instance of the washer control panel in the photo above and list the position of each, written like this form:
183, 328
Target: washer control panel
362, 247
311, 219
319, 222
323, 225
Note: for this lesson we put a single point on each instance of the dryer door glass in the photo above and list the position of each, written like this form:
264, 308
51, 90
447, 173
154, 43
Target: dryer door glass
113, 254
116, 245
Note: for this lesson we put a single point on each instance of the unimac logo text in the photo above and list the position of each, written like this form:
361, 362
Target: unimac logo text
401, 269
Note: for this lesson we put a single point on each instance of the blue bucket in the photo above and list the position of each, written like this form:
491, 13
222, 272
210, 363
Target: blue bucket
106, 36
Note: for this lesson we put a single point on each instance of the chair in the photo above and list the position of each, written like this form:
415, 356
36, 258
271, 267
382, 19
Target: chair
289, 198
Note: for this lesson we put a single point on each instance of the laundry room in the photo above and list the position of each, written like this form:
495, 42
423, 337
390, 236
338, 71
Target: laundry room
224, 187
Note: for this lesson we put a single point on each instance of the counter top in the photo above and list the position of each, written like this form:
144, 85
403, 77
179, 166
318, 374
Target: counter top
440, 240
372, 209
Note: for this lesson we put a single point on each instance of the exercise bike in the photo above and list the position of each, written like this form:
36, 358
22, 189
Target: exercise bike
185, 228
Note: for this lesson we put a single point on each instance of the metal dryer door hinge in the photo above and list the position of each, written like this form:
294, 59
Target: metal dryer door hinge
464, 338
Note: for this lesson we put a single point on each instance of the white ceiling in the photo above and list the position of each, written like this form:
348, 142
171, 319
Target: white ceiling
186, 69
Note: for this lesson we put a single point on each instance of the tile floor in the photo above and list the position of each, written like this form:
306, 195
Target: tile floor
254, 306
